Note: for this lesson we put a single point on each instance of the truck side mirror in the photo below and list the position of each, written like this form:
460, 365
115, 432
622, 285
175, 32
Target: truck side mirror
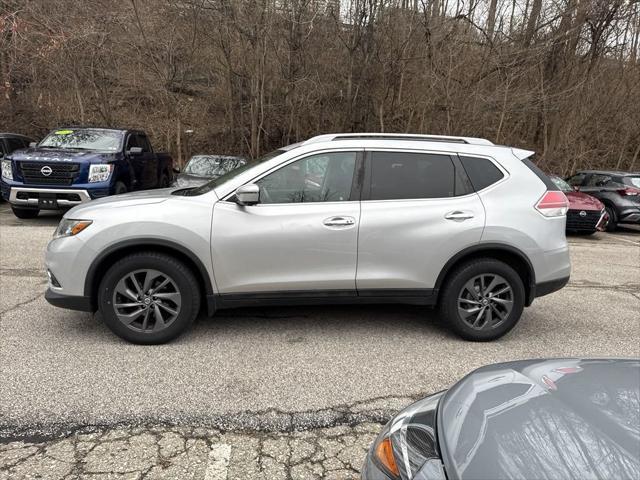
33, 144
134, 151
176, 170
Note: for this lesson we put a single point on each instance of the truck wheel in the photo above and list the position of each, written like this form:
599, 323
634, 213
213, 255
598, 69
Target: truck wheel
25, 212
149, 298
164, 181
482, 299
120, 188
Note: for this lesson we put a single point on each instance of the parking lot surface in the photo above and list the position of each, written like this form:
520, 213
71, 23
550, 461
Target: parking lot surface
267, 370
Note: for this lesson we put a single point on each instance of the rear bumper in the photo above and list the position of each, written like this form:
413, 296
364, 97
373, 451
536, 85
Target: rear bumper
69, 302
545, 288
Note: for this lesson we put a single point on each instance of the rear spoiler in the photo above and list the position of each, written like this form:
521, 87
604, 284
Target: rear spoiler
521, 154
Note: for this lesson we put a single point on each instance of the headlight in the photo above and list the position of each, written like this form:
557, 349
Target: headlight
409, 441
69, 228
100, 172
7, 171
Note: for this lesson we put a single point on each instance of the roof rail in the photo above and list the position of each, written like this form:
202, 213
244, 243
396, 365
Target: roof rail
332, 137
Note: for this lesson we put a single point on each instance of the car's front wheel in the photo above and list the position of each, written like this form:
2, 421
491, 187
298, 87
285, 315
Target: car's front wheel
612, 224
482, 299
25, 212
149, 298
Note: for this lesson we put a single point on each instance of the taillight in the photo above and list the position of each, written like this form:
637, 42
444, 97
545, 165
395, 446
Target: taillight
629, 192
553, 204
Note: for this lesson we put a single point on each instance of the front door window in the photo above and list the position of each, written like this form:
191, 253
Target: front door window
325, 177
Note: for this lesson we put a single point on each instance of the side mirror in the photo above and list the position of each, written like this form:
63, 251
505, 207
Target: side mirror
33, 144
176, 170
134, 151
576, 188
248, 194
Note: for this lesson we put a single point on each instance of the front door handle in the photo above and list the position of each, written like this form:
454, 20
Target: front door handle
458, 215
339, 221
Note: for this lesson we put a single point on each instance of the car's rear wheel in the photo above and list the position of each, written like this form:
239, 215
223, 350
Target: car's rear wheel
612, 224
483, 299
149, 298
25, 212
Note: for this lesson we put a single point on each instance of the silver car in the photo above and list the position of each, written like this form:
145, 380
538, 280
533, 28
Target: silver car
474, 228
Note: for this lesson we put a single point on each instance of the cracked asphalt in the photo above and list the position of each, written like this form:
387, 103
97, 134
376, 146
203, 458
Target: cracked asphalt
77, 402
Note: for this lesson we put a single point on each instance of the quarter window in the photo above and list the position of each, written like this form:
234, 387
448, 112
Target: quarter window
319, 178
577, 179
482, 172
400, 175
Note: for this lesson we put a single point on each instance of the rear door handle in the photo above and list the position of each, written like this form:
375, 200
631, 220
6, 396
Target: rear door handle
339, 221
458, 215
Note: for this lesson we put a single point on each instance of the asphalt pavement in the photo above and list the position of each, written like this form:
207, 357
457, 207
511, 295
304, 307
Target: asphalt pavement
278, 369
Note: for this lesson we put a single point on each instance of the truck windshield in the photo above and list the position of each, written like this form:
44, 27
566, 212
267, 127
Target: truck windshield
216, 182
84, 139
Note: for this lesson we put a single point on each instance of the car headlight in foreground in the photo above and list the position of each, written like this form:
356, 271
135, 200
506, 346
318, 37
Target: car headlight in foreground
69, 227
407, 447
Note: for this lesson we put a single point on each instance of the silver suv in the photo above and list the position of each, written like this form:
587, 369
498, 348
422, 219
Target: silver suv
474, 228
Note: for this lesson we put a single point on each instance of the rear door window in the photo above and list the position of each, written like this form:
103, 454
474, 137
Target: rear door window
401, 175
632, 181
481, 171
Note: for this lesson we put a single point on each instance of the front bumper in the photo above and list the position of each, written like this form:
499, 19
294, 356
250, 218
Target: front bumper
47, 198
69, 302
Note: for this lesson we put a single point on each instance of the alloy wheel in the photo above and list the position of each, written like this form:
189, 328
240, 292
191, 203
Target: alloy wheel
147, 300
485, 301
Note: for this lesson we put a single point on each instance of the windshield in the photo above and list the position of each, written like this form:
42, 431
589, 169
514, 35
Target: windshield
561, 184
84, 139
635, 181
212, 166
216, 182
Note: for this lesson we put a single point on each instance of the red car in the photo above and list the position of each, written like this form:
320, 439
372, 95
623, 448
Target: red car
586, 213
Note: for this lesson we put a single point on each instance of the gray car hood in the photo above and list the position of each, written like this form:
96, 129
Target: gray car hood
561, 418
144, 197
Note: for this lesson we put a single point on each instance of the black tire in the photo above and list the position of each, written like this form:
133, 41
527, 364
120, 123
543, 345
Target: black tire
25, 212
457, 281
119, 188
181, 277
612, 225
164, 182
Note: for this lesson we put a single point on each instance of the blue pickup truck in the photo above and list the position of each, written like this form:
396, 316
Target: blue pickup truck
74, 165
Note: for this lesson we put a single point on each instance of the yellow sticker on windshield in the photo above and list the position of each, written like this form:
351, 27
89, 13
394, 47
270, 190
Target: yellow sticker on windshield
63, 132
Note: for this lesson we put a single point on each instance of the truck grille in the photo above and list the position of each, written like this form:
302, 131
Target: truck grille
588, 222
61, 173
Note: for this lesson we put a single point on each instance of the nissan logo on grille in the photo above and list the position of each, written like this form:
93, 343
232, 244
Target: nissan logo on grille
46, 170
582, 213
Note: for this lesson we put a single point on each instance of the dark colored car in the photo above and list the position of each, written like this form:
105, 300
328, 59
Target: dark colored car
202, 168
586, 214
530, 419
618, 191
10, 142
74, 165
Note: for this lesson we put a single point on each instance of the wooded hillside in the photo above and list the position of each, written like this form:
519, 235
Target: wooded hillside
237, 76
